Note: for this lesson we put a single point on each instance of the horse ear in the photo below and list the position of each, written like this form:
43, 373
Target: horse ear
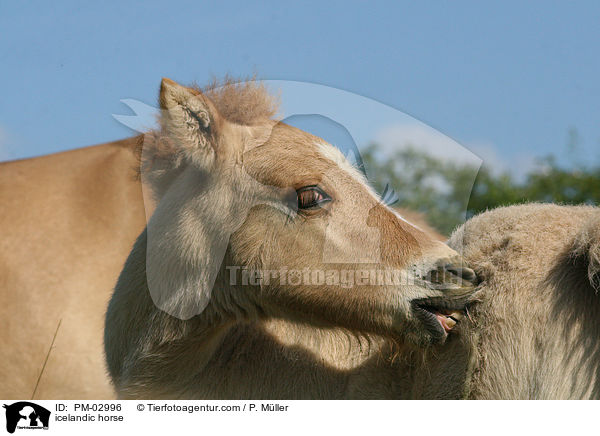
186, 239
191, 120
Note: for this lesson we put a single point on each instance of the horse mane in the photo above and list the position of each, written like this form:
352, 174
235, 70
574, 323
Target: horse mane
246, 102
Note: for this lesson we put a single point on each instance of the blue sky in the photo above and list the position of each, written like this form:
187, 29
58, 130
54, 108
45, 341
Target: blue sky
506, 80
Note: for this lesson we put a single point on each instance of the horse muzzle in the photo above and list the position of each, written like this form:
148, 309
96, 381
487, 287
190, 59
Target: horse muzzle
454, 289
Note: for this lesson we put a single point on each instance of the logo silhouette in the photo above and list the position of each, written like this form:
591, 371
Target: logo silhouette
24, 414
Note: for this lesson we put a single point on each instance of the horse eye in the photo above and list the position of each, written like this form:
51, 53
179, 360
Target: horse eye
311, 197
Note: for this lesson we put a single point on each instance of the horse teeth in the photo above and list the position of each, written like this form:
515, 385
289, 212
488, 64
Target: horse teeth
450, 322
456, 315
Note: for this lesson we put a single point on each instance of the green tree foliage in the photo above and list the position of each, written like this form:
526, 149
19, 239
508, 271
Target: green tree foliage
447, 192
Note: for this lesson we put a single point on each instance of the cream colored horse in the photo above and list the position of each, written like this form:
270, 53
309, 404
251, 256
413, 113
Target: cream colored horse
261, 196
536, 333
68, 222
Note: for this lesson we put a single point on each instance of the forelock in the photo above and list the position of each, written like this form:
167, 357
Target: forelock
246, 102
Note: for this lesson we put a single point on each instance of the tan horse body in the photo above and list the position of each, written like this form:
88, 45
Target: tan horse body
68, 222
66, 225
262, 196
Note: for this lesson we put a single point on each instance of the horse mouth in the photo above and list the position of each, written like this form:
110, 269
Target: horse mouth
438, 317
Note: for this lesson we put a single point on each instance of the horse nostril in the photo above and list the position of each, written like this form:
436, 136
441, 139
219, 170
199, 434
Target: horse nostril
452, 274
462, 272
